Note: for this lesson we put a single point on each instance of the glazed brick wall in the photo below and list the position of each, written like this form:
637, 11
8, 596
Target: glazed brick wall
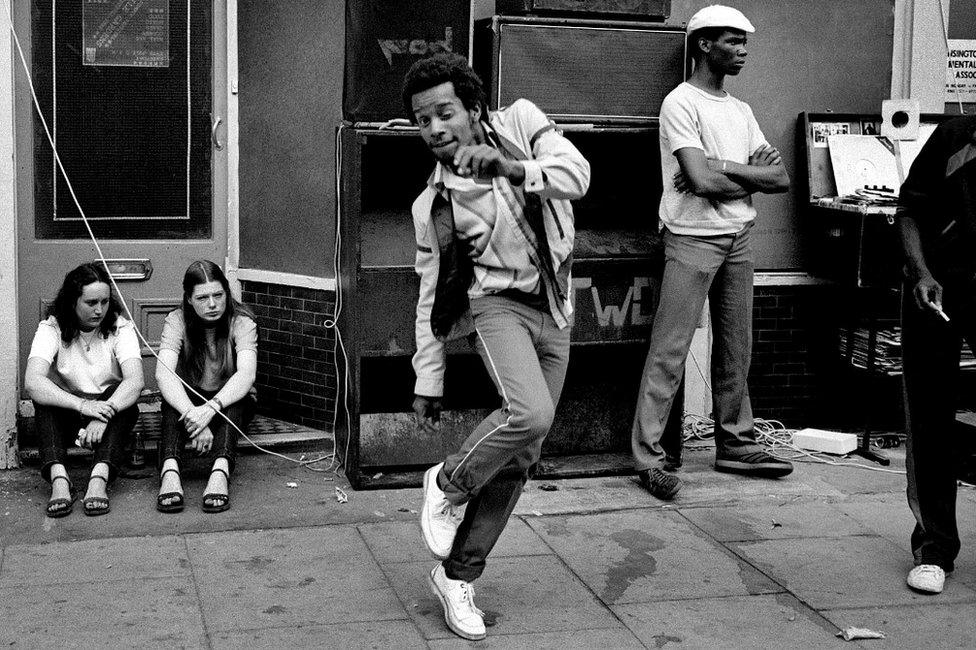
794, 358
296, 378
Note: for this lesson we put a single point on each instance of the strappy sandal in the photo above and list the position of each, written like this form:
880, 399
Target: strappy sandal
66, 505
176, 501
95, 506
218, 502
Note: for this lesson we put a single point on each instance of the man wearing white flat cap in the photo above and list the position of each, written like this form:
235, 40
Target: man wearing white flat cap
713, 158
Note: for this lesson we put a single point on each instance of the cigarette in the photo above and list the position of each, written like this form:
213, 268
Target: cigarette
942, 314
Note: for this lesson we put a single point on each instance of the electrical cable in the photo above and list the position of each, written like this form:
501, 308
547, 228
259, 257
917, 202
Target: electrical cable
101, 257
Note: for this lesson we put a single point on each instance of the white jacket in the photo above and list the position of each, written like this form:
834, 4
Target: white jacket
557, 172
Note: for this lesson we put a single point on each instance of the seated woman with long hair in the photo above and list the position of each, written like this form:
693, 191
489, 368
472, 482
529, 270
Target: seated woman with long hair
211, 342
84, 375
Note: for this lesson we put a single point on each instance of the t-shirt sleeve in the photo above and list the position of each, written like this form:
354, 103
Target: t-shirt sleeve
756, 137
127, 343
173, 332
245, 334
47, 342
679, 124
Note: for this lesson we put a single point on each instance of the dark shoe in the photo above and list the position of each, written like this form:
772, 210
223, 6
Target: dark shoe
175, 498
218, 502
756, 463
95, 506
659, 483
61, 507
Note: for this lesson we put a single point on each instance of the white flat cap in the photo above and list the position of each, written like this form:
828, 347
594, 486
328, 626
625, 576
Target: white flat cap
719, 16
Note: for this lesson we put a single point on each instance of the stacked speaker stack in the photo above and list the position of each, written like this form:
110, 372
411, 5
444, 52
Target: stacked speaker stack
602, 61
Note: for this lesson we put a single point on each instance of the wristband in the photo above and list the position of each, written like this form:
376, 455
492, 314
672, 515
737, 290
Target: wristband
220, 406
725, 163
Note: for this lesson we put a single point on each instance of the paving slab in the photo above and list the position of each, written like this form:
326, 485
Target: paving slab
139, 613
746, 523
576, 640
866, 571
848, 480
888, 515
702, 486
288, 577
747, 622
401, 541
930, 624
377, 635
641, 556
94, 561
520, 595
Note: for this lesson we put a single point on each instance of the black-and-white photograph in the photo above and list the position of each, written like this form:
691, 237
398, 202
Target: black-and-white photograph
507, 323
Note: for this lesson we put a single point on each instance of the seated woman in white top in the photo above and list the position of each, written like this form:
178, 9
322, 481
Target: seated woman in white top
211, 342
84, 375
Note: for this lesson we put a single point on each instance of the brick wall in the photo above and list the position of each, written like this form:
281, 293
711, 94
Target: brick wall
296, 379
794, 358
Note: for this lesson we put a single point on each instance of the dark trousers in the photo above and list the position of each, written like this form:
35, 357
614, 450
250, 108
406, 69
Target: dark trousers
930, 351
57, 428
225, 437
526, 355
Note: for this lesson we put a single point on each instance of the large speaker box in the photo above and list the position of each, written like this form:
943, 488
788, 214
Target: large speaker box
384, 38
580, 70
645, 9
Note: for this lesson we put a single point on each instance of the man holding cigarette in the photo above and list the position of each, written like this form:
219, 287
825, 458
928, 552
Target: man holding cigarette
937, 224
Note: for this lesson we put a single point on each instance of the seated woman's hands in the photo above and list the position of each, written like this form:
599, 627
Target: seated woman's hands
97, 410
197, 419
91, 435
202, 441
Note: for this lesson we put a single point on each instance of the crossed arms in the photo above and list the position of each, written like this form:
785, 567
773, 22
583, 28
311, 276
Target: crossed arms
724, 180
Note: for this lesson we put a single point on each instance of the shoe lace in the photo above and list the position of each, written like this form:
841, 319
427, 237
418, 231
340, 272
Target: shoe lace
467, 596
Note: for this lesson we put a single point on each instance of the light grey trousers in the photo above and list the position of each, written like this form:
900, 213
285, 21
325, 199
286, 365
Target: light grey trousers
719, 268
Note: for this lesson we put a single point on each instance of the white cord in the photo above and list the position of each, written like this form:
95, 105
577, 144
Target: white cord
101, 257
777, 439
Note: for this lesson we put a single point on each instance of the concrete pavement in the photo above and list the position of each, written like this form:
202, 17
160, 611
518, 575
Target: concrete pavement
732, 563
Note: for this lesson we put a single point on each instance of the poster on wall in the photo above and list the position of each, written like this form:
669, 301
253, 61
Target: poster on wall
126, 33
961, 72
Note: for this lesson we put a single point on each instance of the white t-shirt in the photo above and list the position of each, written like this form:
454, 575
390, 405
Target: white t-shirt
724, 128
243, 336
81, 371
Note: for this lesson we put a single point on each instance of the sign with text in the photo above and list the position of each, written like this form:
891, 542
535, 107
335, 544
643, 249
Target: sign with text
131, 33
961, 71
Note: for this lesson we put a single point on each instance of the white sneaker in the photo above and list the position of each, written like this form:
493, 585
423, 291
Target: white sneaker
439, 518
457, 599
927, 578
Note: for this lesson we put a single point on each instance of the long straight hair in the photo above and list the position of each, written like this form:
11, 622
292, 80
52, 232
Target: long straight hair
63, 307
194, 353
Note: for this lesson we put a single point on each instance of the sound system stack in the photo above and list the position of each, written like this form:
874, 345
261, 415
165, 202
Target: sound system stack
600, 69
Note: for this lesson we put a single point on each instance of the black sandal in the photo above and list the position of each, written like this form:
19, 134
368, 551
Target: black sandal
177, 502
66, 505
218, 502
95, 506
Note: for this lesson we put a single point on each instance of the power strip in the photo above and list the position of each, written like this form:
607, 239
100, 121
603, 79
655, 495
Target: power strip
831, 442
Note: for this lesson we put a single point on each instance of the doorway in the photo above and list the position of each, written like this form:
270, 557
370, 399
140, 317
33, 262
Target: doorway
133, 95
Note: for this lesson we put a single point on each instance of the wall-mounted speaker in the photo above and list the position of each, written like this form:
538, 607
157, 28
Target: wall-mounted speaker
580, 70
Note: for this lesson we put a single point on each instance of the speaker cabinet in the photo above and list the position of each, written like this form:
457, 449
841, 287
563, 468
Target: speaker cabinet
580, 70
643, 9
384, 38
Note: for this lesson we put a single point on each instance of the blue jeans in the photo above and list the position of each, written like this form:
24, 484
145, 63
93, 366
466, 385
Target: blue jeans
526, 355
719, 268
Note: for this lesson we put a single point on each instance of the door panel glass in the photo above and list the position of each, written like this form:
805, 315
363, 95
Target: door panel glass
133, 138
